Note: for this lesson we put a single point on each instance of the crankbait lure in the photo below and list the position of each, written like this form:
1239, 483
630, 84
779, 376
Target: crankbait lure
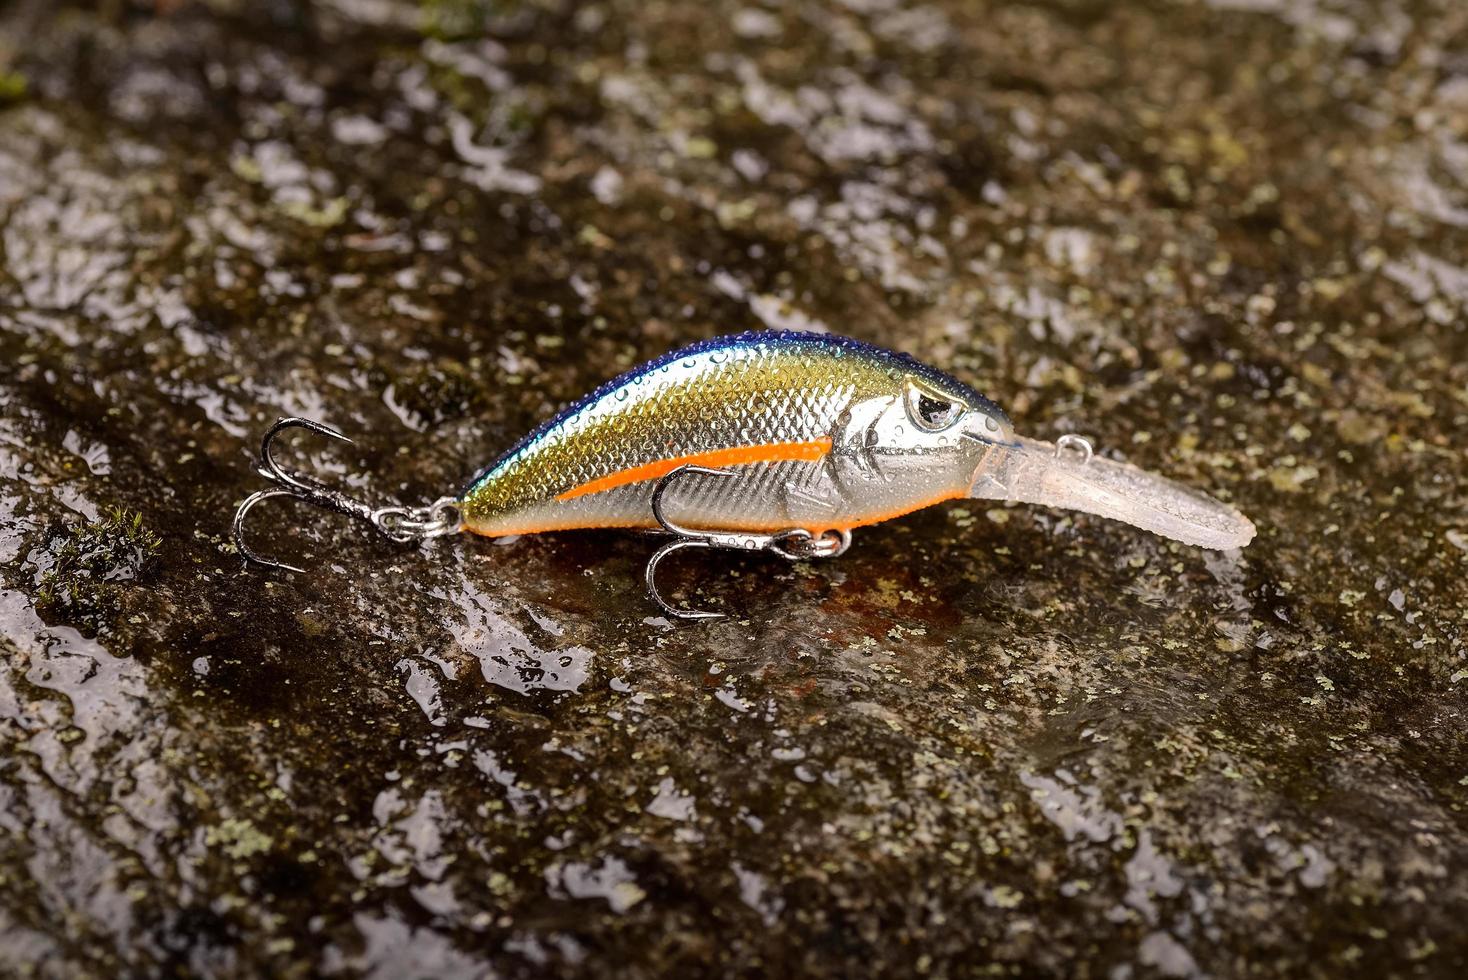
774, 442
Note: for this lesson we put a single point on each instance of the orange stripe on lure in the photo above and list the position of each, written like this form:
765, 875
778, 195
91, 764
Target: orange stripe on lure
805, 435
811, 451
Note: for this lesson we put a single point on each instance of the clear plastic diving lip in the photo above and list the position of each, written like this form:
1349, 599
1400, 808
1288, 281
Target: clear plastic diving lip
1070, 476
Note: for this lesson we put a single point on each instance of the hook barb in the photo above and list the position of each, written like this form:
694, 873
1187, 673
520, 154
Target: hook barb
272, 470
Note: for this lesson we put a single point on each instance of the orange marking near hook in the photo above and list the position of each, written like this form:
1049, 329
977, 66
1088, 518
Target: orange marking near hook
813, 450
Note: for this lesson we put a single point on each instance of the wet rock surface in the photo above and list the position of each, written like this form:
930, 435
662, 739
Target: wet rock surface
1225, 239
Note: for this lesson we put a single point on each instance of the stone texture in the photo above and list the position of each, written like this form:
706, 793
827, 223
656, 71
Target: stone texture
1225, 239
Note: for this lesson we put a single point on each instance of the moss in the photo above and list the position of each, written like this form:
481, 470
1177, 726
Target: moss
93, 564
452, 20
13, 87
434, 393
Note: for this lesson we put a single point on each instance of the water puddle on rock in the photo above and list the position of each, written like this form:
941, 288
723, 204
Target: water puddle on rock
516, 658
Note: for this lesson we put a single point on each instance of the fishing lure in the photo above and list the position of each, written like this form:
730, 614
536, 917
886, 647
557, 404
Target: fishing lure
776, 442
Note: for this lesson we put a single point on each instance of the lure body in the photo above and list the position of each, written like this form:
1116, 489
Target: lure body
813, 431
778, 442
809, 431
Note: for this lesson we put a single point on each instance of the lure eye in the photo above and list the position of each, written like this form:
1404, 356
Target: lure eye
929, 410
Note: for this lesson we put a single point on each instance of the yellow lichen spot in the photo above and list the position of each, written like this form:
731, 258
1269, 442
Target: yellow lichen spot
329, 215
245, 168
1173, 359
1316, 375
1359, 428
1006, 897
626, 894
239, 838
1411, 402
1291, 479
593, 236
1228, 152
700, 148
736, 212
887, 594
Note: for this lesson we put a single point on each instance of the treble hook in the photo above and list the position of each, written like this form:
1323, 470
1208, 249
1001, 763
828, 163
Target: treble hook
792, 544
401, 524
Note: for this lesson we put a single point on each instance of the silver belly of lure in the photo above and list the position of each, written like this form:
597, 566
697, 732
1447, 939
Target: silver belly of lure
773, 442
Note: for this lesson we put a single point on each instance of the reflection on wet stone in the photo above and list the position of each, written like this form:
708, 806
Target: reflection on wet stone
507, 655
1224, 240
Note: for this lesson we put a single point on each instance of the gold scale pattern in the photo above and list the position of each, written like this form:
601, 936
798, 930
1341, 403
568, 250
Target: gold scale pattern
746, 391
